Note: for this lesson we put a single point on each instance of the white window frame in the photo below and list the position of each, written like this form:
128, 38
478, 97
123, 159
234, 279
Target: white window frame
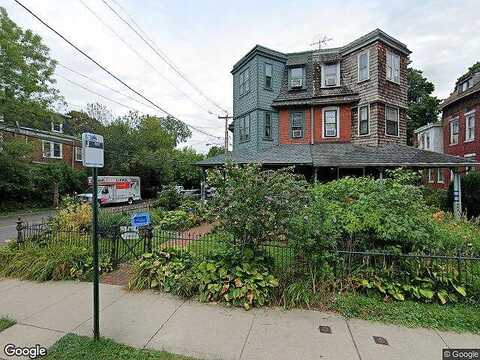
469, 116
78, 154
470, 156
297, 128
51, 150
450, 131
337, 83
359, 119
393, 67
301, 77
60, 129
431, 180
398, 120
337, 110
367, 53
440, 176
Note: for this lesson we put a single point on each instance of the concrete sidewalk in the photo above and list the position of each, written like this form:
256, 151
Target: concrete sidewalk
46, 311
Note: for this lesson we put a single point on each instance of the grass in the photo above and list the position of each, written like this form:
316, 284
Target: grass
75, 347
6, 323
452, 317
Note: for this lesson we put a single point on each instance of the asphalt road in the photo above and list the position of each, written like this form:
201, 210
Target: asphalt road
8, 223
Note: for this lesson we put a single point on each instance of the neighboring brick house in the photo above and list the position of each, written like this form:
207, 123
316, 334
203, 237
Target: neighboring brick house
461, 119
49, 146
328, 112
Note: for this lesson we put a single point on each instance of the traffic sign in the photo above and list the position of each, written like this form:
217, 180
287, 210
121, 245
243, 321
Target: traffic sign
92, 150
141, 219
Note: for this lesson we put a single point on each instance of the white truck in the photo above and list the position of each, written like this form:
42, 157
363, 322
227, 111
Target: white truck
114, 190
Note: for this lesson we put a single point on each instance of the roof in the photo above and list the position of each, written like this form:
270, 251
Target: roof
258, 49
428, 126
456, 96
343, 155
39, 134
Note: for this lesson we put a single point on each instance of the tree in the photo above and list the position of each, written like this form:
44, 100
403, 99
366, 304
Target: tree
423, 108
100, 113
79, 122
215, 150
26, 84
186, 172
472, 69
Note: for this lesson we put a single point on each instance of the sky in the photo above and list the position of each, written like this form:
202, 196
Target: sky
203, 39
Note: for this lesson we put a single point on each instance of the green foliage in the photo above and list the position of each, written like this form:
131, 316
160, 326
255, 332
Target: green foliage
74, 347
239, 279
186, 172
423, 108
215, 150
255, 205
169, 198
5, 323
454, 317
60, 261
470, 194
471, 70
27, 91
436, 198
373, 213
175, 220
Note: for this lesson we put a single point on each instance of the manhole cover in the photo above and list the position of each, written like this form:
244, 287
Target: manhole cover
325, 329
380, 340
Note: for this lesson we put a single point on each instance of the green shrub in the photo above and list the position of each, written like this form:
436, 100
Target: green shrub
169, 198
435, 198
176, 220
230, 277
54, 262
470, 194
199, 211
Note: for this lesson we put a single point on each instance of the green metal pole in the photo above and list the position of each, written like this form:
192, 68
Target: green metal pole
96, 327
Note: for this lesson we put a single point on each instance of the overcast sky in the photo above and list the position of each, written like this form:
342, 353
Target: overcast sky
205, 38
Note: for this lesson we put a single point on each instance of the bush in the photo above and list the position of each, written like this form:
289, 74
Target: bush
435, 198
470, 194
73, 216
169, 198
233, 278
54, 262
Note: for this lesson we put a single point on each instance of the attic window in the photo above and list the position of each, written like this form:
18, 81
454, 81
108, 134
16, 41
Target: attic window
296, 77
56, 127
464, 86
330, 75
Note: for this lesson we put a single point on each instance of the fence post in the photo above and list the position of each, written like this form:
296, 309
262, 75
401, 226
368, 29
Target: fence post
113, 249
20, 228
148, 237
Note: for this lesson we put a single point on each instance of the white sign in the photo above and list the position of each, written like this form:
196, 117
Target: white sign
92, 150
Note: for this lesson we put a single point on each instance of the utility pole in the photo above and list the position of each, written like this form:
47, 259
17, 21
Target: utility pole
226, 118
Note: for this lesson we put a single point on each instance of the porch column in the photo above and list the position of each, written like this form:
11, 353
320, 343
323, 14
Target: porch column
380, 173
457, 194
315, 175
202, 186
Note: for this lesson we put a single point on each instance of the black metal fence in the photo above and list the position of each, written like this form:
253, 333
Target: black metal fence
122, 244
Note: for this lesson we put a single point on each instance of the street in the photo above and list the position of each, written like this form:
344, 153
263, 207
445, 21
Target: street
8, 223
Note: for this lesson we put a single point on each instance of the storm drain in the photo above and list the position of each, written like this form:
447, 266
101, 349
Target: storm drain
325, 329
380, 340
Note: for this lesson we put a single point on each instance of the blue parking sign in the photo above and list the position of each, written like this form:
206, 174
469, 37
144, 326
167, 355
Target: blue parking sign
141, 219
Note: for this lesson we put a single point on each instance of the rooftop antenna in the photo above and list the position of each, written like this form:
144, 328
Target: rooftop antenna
321, 42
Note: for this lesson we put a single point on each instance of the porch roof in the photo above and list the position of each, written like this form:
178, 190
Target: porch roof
343, 155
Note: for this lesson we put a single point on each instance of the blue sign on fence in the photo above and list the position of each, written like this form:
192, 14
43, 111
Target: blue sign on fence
140, 219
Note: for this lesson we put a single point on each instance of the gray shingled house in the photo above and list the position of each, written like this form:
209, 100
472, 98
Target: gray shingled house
327, 112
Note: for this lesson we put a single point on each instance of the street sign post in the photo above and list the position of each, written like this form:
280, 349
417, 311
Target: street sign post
92, 156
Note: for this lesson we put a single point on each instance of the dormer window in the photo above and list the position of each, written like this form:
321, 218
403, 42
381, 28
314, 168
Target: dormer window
464, 86
57, 127
330, 75
296, 77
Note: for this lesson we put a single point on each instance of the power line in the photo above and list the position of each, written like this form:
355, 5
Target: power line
163, 56
118, 36
108, 71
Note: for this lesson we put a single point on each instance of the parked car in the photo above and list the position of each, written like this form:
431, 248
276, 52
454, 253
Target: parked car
114, 190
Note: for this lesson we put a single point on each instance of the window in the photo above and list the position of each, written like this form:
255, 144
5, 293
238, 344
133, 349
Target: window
330, 75
363, 123
244, 82
52, 150
78, 154
330, 122
244, 128
469, 126
472, 157
454, 130
391, 121
465, 85
440, 176
296, 77
268, 76
430, 176
296, 124
57, 127
393, 67
427, 141
267, 130
363, 66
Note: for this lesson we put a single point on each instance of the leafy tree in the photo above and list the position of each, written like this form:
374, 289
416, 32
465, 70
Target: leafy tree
99, 112
255, 205
423, 108
215, 150
186, 172
472, 69
26, 83
79, 122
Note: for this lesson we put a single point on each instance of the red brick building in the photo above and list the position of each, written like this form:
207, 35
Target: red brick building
49, 146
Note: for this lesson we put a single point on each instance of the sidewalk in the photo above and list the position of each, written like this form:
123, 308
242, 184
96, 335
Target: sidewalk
46, 311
